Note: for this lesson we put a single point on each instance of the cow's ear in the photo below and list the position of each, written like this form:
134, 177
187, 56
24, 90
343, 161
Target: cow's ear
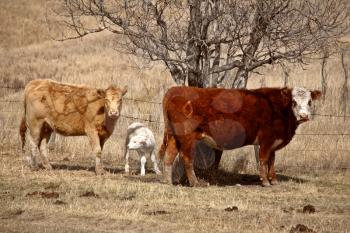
125, 90
315, 95
101, 93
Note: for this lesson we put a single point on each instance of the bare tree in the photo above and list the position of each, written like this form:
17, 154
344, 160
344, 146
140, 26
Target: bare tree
202, 42
345, 88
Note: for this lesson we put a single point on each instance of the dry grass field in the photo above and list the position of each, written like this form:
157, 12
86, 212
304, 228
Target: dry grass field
314, 169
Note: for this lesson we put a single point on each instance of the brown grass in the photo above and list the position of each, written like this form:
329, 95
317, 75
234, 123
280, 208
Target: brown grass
314, 169
135, 204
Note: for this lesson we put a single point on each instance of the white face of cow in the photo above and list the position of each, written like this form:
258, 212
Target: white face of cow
301, 104
113, 97
137, 142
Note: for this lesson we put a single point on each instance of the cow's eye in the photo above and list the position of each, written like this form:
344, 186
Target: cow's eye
294, 104
309, 103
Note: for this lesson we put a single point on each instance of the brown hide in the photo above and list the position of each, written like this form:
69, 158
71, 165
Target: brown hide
226, 119
66, 108
233, 118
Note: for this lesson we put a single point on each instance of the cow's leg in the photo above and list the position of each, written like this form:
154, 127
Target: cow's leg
34, 138
33, 154
178, 172
188, 164
154, 161
215, 167
264, 153
127, 167
126, 155
46, 133
187, 157
272, 173
171, 151
51, 142
102, 142
143, 161
97, 151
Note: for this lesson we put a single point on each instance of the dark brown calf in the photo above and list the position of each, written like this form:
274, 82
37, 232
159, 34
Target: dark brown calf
227, 119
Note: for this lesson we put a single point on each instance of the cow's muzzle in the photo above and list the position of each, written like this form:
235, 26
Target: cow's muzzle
303, 118
113, 114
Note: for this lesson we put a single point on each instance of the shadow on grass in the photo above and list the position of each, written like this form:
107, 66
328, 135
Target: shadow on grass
150, 177
225, 178
69, 167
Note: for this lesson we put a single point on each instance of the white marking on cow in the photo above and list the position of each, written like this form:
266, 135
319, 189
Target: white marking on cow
301, 103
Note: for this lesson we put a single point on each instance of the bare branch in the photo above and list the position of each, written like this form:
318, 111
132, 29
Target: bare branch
202, 41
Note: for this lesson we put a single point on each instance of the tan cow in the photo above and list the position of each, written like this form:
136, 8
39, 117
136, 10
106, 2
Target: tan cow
70, 110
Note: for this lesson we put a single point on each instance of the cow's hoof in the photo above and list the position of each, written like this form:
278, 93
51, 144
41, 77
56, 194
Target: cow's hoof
100, 171
203, 183
176, 182
213, 181
158, 172
195, 183
127, 169
34, 168
274, 182
166, 181
47, 166
265, 183
133, 173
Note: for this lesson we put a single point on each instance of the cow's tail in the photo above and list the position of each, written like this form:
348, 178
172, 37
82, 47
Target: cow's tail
23, 127
169, 133
163, 147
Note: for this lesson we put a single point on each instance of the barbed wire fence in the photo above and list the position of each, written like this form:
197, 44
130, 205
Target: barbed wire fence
151, 119
123, 115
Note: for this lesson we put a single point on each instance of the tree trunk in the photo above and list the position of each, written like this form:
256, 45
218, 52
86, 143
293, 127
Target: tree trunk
193, 48
214, 78
345, 90
176, 73
324, 75
261, 22
195, 80
241, 79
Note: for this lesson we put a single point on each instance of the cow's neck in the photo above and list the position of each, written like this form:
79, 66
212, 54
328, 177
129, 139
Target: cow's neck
292, 124
110, 123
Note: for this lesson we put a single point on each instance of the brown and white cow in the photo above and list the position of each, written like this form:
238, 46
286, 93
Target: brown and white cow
227, 119
70, 110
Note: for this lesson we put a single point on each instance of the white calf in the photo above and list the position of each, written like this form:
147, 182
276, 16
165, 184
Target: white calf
141, 139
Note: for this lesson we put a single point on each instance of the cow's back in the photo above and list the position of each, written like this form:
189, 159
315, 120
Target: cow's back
231, 117
66, 108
